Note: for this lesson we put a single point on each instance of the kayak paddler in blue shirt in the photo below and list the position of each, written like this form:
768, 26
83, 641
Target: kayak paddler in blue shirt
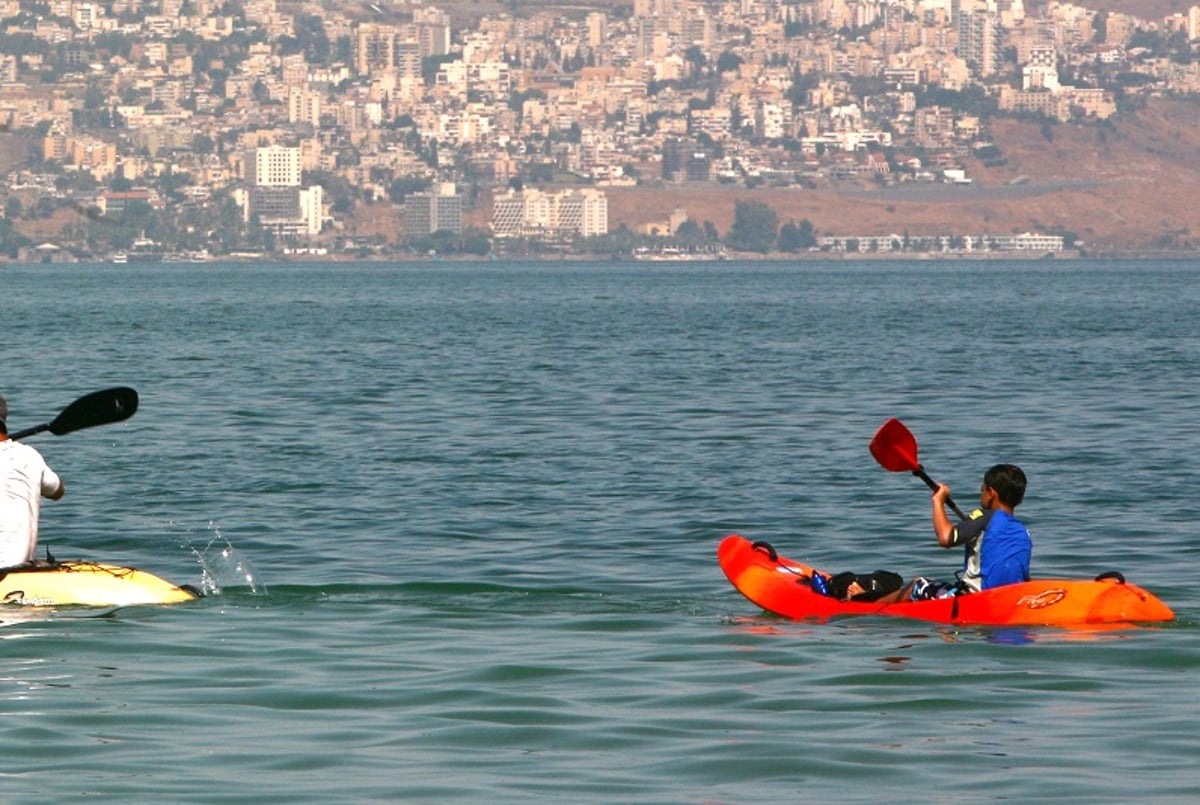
997, 545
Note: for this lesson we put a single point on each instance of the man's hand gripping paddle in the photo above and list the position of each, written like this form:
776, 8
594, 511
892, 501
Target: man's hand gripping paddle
98, 408
895, 448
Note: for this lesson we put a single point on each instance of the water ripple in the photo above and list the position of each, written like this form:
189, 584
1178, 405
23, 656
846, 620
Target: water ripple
479, 507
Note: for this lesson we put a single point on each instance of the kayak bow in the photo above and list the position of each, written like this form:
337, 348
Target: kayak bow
783, 586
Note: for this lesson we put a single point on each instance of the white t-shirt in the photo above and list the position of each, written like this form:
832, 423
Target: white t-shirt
24, 478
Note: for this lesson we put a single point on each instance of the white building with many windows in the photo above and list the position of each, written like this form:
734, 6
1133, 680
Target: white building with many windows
532, 213
438, 210
273, 194
274, 166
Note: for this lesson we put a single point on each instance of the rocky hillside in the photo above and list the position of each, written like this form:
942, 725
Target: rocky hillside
1121, 188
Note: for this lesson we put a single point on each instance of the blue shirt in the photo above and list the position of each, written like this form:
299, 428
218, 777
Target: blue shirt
997, 547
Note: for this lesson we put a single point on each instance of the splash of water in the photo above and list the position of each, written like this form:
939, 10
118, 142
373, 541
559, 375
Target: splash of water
224, 567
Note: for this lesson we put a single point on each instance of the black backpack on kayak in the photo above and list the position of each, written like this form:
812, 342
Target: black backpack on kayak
875, 585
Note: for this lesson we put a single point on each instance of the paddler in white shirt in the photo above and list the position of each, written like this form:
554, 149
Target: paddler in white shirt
25, 479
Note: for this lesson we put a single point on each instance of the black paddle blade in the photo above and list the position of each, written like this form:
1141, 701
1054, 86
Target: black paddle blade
98, 408
895, 448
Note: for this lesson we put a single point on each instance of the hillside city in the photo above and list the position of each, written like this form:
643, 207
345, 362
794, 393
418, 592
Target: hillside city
188, 130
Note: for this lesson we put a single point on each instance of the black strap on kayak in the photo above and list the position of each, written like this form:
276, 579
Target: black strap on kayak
767, 548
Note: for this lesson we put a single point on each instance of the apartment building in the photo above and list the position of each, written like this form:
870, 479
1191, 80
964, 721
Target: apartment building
273, 193
440, 209
533, 213
980, 39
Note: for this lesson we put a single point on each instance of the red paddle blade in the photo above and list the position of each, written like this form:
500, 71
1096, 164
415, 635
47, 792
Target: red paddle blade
895, 448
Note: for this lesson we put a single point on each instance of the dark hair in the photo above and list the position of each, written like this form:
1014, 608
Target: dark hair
1009, 482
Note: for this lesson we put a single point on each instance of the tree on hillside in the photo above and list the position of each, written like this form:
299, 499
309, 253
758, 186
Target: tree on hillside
11, 242
728, 62
755, 226
311, 39
802, 84
403, 186
795, 237
689, 233
694, 56
973, 100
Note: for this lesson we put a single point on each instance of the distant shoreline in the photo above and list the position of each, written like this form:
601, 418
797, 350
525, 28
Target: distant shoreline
735, 257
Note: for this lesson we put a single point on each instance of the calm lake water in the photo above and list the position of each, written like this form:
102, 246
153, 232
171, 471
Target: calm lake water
463, 522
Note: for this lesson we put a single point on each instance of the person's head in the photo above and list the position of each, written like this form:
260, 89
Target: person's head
1006, 482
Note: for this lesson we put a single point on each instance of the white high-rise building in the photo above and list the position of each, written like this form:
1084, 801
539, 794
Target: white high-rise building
304, 106
980, 39
275, 166
274, 194
532, 213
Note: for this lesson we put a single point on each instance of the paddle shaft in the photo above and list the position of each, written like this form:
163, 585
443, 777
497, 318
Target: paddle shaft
932, 484
21, 434
895, 448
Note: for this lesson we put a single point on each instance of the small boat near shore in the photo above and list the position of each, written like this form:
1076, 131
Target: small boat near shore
671, 254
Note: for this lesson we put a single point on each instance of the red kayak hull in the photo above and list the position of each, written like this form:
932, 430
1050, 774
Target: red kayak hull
782, 586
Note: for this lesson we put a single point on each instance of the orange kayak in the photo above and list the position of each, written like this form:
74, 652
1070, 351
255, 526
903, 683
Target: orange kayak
782, 586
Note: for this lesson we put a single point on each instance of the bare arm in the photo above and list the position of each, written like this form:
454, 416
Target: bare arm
942, 527
58, 489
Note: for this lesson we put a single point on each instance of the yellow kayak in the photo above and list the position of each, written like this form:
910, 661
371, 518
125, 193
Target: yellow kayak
50, 584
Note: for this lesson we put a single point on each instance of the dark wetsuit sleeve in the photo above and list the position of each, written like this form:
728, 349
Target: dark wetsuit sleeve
966, 531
